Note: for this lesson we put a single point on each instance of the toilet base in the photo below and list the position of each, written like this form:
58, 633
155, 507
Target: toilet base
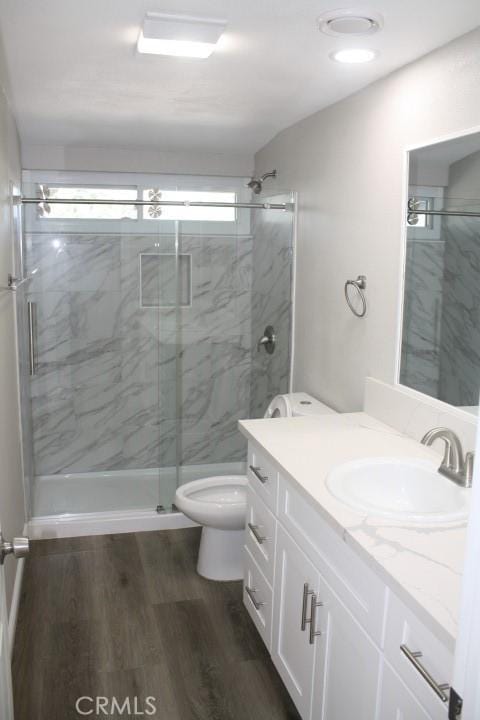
220, 554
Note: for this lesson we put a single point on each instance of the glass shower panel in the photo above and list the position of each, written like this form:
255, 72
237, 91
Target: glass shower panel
241, 281
101, 349
272, 301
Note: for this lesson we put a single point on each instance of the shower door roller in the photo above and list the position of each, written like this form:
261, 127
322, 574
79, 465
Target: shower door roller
20, 547
268, 340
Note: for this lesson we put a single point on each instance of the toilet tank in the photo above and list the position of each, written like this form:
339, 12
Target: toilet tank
296, 404
304, 404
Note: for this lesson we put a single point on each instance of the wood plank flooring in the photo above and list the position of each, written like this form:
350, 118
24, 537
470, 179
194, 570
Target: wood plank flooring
128, 616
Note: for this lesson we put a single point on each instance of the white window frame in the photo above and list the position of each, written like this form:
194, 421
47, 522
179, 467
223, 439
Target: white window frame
140, 226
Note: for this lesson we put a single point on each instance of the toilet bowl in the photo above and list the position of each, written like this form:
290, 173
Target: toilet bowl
219, 503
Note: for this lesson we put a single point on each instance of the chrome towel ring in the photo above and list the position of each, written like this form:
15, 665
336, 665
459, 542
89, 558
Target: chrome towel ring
360, 285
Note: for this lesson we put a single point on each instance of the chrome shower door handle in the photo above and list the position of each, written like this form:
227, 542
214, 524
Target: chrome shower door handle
32, 337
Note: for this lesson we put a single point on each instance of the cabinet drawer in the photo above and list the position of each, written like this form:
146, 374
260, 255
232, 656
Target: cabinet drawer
258, 597
403, 629
263, 476
260, 534
363, 593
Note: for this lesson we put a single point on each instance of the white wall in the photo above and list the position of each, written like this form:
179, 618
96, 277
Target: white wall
142, 160
11, 483
347, 164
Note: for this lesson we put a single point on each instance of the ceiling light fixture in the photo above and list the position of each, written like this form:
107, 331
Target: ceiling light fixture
179, 35
353, 56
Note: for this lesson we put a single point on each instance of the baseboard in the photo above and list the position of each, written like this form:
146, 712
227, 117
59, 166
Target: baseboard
61, 526
13, 614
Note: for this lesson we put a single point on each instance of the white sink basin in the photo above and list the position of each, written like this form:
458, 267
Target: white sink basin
404, 489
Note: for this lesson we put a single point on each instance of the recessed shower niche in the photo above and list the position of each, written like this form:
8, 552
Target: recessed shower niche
165, 280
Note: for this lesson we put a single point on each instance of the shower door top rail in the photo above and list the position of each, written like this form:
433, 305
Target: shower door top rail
413, 209
171, 203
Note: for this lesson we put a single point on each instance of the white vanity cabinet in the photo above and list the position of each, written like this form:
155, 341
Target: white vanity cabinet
335, 631
297, 583
317, 646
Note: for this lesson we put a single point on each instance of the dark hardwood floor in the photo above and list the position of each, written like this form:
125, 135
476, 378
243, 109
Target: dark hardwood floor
127, 616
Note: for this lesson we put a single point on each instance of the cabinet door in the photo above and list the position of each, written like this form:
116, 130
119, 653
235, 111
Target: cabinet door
397, 703
292, 652
347, 669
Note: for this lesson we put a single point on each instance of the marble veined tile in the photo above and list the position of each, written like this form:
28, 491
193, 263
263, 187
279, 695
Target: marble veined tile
460, 334
124, 386
68, 263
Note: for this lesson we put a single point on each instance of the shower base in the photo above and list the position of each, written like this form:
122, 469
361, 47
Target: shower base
114, 501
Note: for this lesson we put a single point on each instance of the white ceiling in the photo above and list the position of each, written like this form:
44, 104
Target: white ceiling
77, 80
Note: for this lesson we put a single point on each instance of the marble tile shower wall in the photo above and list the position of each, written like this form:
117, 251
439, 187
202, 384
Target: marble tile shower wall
106, 392
271, 303
460, 335
422, 321
441, 334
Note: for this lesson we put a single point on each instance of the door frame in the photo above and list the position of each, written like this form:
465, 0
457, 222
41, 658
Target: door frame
467, 651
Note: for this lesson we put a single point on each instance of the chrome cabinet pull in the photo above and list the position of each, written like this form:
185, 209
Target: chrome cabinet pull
257, 471
257, 604
306, 593
438, 689
32, 337
259, 538
314, 604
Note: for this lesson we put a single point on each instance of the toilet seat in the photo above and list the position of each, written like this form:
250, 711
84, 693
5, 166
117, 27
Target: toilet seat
219, 501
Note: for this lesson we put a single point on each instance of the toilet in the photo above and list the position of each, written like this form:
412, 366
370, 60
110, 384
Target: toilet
219, 503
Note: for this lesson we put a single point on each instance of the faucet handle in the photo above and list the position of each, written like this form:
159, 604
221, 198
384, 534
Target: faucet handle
468, 468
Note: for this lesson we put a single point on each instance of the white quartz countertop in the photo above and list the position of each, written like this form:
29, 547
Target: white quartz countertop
422, 564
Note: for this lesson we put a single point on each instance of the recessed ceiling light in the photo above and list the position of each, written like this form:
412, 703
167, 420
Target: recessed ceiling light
353, 55
179, 35
350, 21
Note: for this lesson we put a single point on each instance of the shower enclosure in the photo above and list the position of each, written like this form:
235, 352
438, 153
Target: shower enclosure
138, 334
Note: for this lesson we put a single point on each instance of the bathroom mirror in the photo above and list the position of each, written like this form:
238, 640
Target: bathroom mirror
440, 348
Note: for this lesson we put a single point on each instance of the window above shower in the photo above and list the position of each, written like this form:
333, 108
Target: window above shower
49, 216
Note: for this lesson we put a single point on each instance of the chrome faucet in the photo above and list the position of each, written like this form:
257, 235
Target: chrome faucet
454, 465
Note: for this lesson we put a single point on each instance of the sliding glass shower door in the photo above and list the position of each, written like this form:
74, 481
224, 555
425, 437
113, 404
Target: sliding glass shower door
139, 330
100, 310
